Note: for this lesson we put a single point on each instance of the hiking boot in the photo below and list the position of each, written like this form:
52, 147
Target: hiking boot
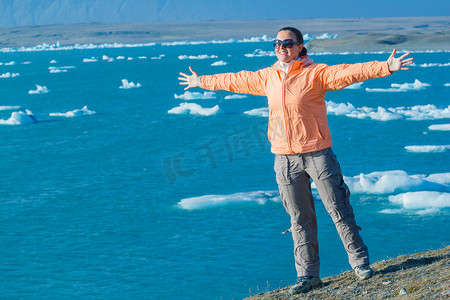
364, 272
304, 284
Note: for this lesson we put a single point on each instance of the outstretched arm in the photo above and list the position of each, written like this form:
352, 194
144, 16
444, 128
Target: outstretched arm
339, 76
189, 80
243, 82
399, 63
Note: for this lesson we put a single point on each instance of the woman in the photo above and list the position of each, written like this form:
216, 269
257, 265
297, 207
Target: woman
301, 141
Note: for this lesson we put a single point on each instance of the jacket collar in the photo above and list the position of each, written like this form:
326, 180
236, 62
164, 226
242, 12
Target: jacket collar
300, 63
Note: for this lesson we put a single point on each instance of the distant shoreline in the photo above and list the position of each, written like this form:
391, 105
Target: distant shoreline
353, 34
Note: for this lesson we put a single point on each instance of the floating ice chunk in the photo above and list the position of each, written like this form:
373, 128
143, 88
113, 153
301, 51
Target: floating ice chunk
423, 200
219, 63
392, 211
195, 95
263, 38
255, 39
92, 59
130, 58
203, 56
441, 178
209, 201
120, 57
57, 46
9, 75
325, 36
436, 196
428, 148
416, 113
235, 96
142, 57
354, 86
57, 70
447, 84
26, 63
395, 87
381, 114
423, 112
60, 69
20, 118
53, 61
261, 112
74, 113
434, 65
442, 127
158, 57
390, 182
340, 108
9, 107
39, 90
11, 63
260, 53
428, 211
194, 109
129, 85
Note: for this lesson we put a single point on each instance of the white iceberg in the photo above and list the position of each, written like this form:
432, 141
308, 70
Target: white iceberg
86, 60
442, 127
203, 56
416, 113
354, 86
9, 75
426, 202
260, 53
428, 148
39, 90
260, 112
9, 107
219, 63
417, 85
235, 96
20, 118
158, 57
194, 109
390, 182
208, 201
74, 113
129, 85
434, 65
195, 95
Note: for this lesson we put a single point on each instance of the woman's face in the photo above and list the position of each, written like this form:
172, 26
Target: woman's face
287, 54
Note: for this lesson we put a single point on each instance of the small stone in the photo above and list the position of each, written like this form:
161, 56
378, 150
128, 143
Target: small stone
387, 282
403, 292
447, 292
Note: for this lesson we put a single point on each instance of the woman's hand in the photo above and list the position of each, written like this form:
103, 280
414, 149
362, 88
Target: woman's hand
189, 80
399, 63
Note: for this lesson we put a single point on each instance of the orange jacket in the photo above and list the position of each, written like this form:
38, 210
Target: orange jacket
297, 109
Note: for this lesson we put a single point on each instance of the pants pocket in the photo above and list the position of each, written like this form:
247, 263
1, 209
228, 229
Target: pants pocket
281, 167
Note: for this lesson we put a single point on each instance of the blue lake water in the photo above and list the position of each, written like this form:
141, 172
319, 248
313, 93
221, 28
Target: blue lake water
123, 203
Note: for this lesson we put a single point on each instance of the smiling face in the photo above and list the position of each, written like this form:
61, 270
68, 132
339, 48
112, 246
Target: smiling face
287, 54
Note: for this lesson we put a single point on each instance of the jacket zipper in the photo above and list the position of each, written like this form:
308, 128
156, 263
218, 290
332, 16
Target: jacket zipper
283, 102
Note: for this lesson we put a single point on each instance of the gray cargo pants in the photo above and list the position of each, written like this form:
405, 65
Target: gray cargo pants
293, 173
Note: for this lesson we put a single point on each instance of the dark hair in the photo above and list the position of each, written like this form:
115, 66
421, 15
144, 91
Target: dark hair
298, 36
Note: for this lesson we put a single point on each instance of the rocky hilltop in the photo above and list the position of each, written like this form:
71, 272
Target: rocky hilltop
421, 276
352, 34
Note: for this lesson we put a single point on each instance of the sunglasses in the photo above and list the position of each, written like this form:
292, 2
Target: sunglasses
286, 43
